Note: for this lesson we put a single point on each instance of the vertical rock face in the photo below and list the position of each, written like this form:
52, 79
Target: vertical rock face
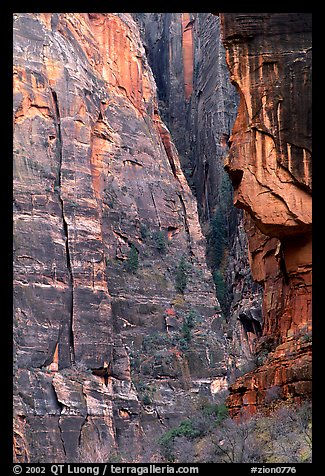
199, 105
269, 58
188, 53
196, 98
117, 328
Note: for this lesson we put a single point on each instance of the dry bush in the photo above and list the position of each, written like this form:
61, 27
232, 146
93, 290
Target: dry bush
285, 436
290, 435
282, 437
235, 442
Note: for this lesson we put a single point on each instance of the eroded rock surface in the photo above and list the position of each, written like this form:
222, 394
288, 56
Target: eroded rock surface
269, 58
109, 257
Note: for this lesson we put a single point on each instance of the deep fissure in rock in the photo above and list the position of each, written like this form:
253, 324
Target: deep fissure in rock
199, 108
58, 190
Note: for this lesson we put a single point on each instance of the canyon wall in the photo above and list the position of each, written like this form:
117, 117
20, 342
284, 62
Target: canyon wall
118, 333
269, 58
117, 330
199, 104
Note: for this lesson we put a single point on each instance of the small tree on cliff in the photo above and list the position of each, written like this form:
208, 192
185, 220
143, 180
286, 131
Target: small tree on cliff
160, 242
181, 275
132, 262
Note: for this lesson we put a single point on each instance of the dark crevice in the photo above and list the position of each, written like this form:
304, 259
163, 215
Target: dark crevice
283, 267
187, 229
235, 175
168, 149
172, 165
155, 206
58, 191
61, 407
105, 372
250, 324
61, 436
81, 428
205, 191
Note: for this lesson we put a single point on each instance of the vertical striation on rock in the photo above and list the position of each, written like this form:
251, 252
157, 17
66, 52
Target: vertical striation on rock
109, 257
269, 58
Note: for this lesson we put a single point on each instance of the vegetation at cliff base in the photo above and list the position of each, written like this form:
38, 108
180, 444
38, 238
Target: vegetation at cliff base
210, 436
204, 420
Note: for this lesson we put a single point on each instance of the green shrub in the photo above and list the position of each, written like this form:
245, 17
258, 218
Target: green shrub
132, 262
186, 331
192, 317
221, 288
183, 344
185, 428
144, 232
146, 400
181, 275
218, 237
160, 242
188, 324
213, 412
218, 240
221, 412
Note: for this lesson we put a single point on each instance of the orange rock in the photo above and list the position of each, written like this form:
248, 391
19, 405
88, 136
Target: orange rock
188, 54
250, 398
270, 166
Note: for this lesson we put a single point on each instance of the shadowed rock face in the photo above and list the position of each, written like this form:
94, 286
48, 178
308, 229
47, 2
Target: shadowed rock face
269, 58
109, 258
199, 105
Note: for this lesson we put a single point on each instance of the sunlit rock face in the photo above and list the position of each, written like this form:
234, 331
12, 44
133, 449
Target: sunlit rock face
269, 59
109, 258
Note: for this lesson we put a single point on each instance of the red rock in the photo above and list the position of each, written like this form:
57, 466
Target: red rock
270, 166
188, 53
249, 398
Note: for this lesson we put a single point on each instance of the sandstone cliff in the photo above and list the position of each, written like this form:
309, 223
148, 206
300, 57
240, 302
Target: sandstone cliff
269, 58
117, 330
109, 258
199, 104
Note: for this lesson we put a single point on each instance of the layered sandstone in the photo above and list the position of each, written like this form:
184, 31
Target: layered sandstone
269, 58
109, 258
